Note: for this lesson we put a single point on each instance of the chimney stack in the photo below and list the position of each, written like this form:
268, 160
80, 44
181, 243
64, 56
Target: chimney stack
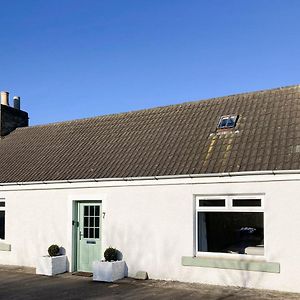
5, 98
11, 117
17, 102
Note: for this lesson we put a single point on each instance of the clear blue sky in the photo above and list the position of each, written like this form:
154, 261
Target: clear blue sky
71, 59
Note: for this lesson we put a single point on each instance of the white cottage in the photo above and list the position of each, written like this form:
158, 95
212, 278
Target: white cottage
205, 191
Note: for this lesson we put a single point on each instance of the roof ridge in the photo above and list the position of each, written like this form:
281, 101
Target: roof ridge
188, 102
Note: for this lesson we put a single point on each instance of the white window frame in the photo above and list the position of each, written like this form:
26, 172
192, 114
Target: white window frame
2, 208
228, 208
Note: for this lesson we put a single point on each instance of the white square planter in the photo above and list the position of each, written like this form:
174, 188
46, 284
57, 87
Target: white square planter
108, 271
51, 265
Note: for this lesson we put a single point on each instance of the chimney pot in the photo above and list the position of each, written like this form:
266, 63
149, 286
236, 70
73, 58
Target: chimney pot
17, 102
5, 98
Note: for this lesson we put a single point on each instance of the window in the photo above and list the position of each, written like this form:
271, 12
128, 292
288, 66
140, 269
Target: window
212, 202
230, 224
227, 122
2, 220
91, 221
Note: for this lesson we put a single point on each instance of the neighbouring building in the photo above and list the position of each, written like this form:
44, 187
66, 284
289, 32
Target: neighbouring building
205, 191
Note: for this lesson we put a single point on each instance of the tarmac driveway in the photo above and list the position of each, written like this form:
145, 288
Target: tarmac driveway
17, 284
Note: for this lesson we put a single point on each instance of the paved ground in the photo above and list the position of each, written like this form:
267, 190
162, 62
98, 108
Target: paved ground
17, 283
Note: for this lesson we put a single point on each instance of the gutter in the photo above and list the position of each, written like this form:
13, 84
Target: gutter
187, 176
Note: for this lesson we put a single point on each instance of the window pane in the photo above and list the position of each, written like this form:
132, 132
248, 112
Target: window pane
223, 123
246, 202
97, 222
97, 233
2, 204
2, 225
86, 222
92, 210
230, 122
97, 210
212, 202
86, 210
91, 221
231, 232
91, 232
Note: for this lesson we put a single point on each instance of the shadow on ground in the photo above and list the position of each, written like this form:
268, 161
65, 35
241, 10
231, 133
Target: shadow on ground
18, 284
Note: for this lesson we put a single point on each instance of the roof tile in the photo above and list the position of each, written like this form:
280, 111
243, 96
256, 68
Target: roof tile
178, 139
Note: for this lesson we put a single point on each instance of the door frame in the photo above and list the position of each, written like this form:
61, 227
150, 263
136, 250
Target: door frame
75, 227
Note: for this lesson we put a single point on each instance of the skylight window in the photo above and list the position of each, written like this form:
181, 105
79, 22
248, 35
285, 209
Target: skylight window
227, 122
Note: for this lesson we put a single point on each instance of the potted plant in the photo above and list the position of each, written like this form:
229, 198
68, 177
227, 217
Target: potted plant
52, 264
111, 269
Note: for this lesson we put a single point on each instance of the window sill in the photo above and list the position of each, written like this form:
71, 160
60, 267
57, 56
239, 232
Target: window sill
234, 264
5, 247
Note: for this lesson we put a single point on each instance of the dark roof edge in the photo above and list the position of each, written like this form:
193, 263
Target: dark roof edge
165, 177
165, 106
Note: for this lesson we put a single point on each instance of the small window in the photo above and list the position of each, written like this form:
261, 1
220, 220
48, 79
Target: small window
212, 202
246, 202
227, 122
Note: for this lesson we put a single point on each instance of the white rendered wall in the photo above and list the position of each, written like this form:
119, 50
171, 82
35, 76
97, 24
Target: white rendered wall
152, 224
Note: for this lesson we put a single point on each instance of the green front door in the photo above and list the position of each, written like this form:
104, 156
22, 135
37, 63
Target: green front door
88, 235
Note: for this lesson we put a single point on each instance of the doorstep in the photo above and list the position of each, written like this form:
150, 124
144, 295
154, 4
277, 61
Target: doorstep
84, 274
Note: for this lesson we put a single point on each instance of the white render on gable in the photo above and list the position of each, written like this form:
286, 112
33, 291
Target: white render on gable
152, 222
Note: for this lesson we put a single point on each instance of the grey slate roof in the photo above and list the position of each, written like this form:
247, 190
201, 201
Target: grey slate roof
171, 140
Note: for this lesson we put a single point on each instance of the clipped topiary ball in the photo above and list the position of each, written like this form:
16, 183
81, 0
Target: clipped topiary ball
111, 254
53, 250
